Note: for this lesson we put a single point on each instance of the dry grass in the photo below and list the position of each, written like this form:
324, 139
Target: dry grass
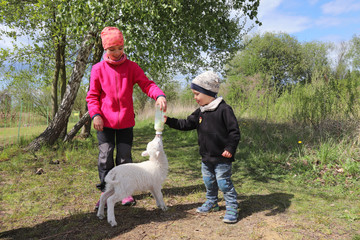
176, 109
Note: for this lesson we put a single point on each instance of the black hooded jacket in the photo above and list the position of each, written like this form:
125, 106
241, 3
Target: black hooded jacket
217, 131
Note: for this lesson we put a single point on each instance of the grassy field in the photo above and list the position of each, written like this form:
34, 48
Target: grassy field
28, 126
10, 136
293, 183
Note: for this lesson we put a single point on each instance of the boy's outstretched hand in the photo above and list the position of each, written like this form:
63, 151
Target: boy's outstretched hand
226, 154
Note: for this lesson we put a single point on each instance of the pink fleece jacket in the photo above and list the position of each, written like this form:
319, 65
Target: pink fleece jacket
111, 92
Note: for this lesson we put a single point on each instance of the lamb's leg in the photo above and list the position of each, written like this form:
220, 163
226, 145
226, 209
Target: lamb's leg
103, 199
110, 209
156, 192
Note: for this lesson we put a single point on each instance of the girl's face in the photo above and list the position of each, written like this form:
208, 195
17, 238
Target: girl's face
202, 99
115, 52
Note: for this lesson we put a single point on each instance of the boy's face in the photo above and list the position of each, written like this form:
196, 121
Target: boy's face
115, 52
202, 99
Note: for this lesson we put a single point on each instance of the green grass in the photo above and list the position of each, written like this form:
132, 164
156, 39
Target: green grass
10, 136
14, 135
273, 174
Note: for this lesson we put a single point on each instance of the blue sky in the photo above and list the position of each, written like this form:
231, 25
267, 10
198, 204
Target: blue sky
310, 20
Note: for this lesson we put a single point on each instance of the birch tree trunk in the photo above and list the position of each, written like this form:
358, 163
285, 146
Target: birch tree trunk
85, 120
63, 76
99, 50
54, 95
71, 134
52, 132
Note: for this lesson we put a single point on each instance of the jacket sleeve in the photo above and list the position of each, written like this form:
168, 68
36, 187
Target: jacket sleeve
190, 123
233, 130
147, 86
93, 95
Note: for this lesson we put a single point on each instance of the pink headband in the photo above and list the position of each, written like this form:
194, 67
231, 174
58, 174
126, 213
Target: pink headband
111, 36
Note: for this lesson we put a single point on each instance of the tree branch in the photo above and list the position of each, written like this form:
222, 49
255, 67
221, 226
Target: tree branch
77, 127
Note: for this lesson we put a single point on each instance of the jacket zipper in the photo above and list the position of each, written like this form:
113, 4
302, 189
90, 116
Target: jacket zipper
118, 99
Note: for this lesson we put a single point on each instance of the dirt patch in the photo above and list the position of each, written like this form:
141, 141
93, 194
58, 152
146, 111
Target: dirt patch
257, 220
210, 226
192, 225
182, 222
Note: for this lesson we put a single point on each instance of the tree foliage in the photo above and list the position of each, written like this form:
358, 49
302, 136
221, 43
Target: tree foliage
276, 55
164, 37
313, 90
315, 60
354, 52
161, 36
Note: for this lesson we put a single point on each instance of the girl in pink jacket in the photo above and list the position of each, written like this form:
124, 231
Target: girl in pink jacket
110, 103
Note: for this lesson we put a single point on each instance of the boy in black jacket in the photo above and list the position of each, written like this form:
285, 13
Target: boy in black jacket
218, 137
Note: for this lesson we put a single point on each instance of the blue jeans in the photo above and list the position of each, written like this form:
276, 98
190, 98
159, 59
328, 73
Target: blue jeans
218, 176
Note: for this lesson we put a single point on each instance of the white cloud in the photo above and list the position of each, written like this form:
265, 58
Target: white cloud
285, 23
334, 38
313, 2
311, 19
6, 42
268, 6
329, 21
341, 22
273, 20
338, 7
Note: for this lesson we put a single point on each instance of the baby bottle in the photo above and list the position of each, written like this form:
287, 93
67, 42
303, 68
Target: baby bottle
159, 120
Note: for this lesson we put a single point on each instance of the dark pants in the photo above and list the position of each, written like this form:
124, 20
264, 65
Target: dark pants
108, 139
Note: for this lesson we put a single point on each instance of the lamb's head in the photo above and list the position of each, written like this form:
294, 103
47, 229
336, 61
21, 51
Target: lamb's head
154, 147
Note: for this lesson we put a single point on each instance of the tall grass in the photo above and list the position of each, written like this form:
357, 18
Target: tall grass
326, 154
309, 104
174, 109
308, 131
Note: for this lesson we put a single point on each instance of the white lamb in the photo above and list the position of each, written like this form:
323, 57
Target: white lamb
125, 179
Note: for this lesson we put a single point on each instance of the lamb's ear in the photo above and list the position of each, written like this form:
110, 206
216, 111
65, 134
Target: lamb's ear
157, 153
144, 154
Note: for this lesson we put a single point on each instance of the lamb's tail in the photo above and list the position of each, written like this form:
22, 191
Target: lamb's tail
110, 178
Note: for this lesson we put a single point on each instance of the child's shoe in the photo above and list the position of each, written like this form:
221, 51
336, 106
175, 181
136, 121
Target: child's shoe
128, 201
208, 207
98, 203
231, 214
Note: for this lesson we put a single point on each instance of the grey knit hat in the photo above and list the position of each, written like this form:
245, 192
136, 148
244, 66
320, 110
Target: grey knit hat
207, 83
